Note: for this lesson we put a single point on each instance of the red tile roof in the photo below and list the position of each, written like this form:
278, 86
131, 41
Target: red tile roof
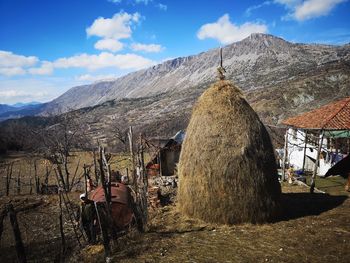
333, 116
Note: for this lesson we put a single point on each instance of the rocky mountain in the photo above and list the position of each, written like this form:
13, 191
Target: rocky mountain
162, 115
278, 78
256, 62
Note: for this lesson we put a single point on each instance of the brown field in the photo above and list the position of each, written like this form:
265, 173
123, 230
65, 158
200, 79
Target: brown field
24, 166
313, 228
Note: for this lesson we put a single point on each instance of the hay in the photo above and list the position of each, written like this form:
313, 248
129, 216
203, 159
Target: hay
227, 168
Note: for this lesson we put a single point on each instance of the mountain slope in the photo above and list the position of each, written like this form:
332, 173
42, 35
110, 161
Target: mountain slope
256, 62
162, 115
5, 108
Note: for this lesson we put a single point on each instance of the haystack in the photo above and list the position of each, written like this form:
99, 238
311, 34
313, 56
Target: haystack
227, 169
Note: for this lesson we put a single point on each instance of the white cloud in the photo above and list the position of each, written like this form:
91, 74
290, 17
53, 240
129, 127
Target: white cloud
91, 78
109, 44
13, 95
104, 60
8, 59
86, 61
12, 64
117, 27
288, 2
132, 1
250, 9
13, 71
143, 1
46, 68
146, 48
314, 8
162, 7
301, 10
33, 89
226, 32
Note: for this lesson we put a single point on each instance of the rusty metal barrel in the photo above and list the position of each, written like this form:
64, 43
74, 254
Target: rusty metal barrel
121, 206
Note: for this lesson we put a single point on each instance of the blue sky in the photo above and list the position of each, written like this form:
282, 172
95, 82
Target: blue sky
47, 47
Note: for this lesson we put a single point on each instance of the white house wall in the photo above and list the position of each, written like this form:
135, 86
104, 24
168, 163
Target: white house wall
295, 148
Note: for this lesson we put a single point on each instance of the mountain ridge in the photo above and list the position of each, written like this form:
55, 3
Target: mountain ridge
279, 79
245, 62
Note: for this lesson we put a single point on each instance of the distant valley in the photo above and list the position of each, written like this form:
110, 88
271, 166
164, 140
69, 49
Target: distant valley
19, 110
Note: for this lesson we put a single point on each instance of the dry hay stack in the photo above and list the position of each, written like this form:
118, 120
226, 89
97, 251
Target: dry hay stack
227, 168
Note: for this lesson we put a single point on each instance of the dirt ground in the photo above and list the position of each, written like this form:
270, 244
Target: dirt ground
313, 228
39, 228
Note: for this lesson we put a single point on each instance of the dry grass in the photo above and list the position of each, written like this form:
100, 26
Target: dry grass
227, 170
24, 165
314, 228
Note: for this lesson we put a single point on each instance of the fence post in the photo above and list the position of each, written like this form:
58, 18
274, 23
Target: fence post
285, 153
2, 217
21, 255
19, 181
8, 178
63, 239
312, 187
36, 178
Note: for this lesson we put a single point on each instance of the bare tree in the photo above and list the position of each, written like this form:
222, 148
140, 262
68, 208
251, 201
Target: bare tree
121, 135
58, 141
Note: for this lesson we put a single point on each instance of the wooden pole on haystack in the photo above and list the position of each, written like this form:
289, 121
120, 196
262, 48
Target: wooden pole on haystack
221, 70
221, 57
312, 186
